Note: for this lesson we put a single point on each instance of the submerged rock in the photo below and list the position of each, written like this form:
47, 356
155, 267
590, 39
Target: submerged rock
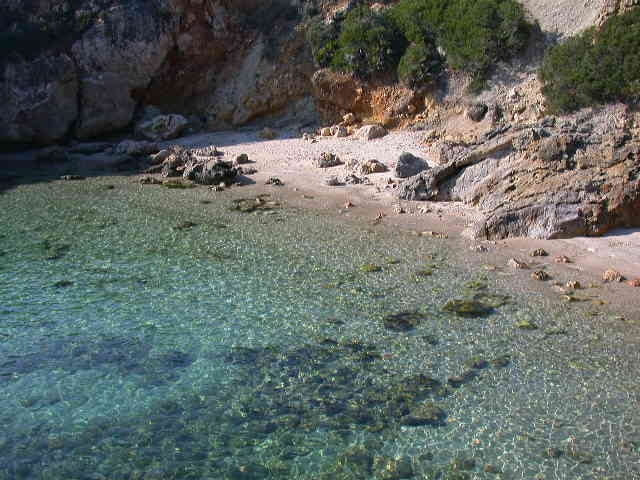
468, 308
425, 414
403, 321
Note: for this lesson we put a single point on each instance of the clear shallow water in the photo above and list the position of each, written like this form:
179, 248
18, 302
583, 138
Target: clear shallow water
250, 346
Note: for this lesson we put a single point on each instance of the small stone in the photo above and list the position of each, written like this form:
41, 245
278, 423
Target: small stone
147, 180
216, 188
242, 159
573, 285
540, 275
325, 132
370, 132
517, 264
479, 248
185, 225
468, 308
539, 252
612, 276
634, 282
353, 180
339, 131
274, 181
327, 160
248, 171
562, 259
403, 321
372, 166
476, 112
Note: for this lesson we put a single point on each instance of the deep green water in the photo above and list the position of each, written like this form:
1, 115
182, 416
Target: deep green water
253, 346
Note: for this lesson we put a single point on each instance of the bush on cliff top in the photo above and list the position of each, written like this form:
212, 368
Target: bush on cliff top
595, 67
410, 36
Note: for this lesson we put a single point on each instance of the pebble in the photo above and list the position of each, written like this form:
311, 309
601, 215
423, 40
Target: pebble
540, 275
612, 276
517, 264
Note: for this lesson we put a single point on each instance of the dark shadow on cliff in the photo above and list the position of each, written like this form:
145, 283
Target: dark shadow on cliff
22, 168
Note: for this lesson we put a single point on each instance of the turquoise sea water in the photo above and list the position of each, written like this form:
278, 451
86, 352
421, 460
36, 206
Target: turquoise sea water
149, 333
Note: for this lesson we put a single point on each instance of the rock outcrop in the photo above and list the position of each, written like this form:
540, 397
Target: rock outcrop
85, 71
558, 178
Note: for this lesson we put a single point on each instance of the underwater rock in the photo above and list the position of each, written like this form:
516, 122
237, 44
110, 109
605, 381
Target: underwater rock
424, 414
260, 203
457, 381
463, 464
526, 325
63, 284
72, 177
501, 362
469, 308
392, 468
370, 268
186, 225
476, 363
403, 321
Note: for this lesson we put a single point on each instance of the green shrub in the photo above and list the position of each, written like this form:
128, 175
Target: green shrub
323, 39
369, 43
474, 34
420, 64
595, 66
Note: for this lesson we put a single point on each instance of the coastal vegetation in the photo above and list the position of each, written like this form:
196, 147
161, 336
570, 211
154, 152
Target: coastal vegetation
597, 66
417, 39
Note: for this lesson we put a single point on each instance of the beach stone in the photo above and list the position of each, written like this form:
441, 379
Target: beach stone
242, 159
371, 132
573, 285
372, 166
352, 179
325, 132
163, 127
517, 264
540, 275
339, 131
635, 282
274, 181
612, 276
327, 160
539, 252
212, 172
160, 157
476, 111
409, 165
562, 259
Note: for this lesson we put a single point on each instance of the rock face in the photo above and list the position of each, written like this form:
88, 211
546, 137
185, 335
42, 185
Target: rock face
39, 99
577, 176
163, 127
88, 69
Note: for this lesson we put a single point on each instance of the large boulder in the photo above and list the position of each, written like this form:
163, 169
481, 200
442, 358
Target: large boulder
39, 99
409, 165
211, 172
163, 127
370, 132
117, 57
